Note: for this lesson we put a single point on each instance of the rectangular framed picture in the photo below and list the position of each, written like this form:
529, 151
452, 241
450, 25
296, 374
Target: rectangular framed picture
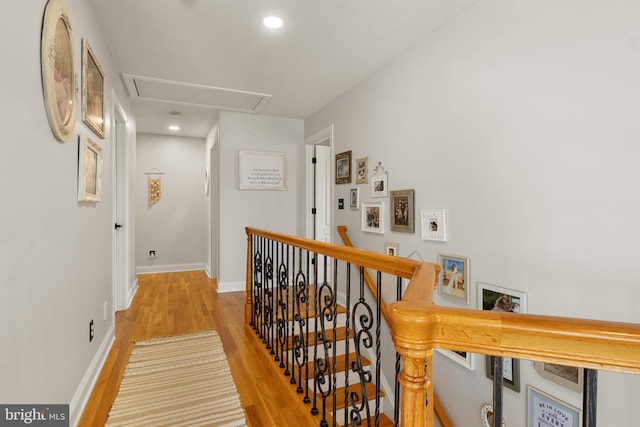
402, 211
379, 186
544, 410
354, 198
262, 170
93, 90
373, 217
454, 278
461, 357
510, 372
496, 298
89, 170
568, 376
362, 170
433, 224
343, 168
391, 248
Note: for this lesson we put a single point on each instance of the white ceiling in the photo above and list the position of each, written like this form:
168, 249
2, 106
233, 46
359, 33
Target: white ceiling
324, 48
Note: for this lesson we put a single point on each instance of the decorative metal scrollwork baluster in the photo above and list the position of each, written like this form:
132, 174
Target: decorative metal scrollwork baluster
268, 304
283, 321
300, 352
257, 292
362, 319
323, 367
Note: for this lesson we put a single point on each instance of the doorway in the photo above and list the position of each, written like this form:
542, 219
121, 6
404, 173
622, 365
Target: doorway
123, 285
319, 216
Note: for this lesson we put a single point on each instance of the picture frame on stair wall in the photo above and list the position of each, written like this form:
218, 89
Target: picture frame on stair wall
454, 278
461, 357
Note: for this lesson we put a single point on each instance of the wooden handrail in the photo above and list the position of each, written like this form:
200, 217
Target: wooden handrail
418, 327
440, 413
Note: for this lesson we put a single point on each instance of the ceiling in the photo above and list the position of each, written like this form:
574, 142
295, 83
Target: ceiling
198, 56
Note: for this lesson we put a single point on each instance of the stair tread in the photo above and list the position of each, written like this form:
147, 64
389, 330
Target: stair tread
341, 335
340, 362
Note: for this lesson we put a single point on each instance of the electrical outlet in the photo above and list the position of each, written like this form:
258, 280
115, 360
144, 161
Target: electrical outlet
152, 254
91, 330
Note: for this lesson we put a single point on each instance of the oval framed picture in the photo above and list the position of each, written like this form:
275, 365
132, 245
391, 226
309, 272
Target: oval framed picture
58, 70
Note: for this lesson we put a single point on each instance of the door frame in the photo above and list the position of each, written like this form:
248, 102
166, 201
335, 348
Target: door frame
122, 242
310, 143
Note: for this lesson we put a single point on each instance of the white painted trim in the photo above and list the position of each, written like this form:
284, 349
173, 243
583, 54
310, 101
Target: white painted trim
316, 138
169, 268
81, 396
132, 292
224, 287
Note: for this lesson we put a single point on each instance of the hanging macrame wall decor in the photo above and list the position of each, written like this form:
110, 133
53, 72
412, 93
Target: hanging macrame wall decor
154, 186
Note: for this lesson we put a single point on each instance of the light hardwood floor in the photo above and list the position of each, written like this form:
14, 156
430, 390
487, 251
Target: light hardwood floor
184, 302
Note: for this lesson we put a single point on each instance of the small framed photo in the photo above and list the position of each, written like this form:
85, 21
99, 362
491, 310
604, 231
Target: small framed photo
354, 198
510, 372
454, 277
568, 376
433, 224
93, 90
462, 357
362, 170
496, 298
89, 170
343, 168
379, 186
373, 217
402, 211
545, 410
391, 248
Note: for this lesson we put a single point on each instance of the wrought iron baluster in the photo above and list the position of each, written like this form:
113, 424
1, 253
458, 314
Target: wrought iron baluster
378, 346
498, 374
396, 407
268, 308
323, 366
346, 344
334, 339
257, 281
590, 397
316, 314
300, 321
362, 320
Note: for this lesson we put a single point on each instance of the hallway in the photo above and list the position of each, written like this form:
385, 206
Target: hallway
185, 302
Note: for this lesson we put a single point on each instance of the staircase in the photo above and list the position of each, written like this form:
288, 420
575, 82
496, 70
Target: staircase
313, 341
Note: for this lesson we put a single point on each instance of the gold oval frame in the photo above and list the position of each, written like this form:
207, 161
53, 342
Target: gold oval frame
58, 70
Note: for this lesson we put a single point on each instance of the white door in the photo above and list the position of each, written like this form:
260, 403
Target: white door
121, 223
322, 199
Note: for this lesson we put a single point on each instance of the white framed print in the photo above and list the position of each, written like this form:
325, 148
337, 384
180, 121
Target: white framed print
544, 410
89, 170
496, 298
433, 224
373, 217
463, 358
379, 186
354, 198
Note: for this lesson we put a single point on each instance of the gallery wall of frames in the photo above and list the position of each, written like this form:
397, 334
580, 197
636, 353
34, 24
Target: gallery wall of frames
386, 210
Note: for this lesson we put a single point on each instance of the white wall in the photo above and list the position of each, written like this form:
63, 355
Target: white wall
55, 253
176, 227
269, 210
521, 119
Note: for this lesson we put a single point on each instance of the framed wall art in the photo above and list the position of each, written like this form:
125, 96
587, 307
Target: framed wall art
379, 186
462, 357
454, 278
362, 170
433, 224
343, 168
402, 211
568, 376
58, 70
89, 170
93, 90
510, 372
544, 410
496, 298
262, 170
392, 248
373, 217
354, 198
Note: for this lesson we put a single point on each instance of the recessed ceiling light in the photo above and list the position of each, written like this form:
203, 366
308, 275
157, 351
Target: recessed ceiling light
174, 127
272, 22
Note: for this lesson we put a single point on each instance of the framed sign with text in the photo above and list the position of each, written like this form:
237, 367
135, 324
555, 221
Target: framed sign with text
262, 170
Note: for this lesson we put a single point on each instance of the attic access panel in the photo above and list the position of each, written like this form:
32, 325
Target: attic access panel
150, 88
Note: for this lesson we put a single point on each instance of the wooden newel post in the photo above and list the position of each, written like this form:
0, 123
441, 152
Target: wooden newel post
417, 401
248, 305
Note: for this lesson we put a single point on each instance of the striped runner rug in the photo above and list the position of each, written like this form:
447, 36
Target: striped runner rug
182, 380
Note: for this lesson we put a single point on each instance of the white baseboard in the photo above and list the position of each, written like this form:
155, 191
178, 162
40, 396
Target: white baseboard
169, 268
81, 396
231, 286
